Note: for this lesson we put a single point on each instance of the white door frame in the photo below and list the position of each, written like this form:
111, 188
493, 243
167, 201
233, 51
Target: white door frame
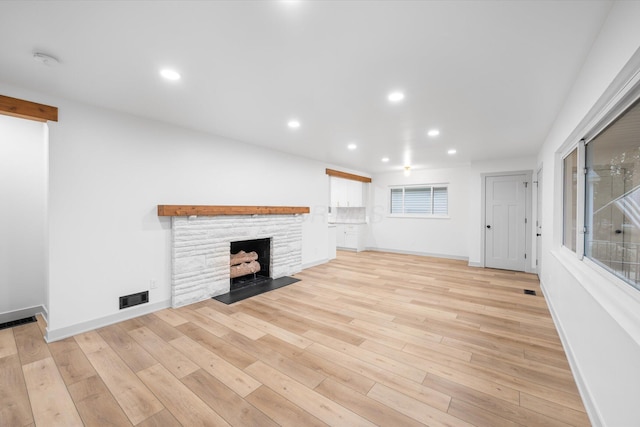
529, 267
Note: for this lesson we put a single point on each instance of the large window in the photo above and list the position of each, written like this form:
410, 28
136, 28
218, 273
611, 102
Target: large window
612, 198
422, 200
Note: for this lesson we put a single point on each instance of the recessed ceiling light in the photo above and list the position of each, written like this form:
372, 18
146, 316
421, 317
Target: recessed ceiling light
407, 170
395, 96
293, 124
452, 151
433, 132
170, 74
352, 146
385, 159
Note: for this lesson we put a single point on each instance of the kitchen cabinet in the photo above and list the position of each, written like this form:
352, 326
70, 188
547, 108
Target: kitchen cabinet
346, 193
350, 236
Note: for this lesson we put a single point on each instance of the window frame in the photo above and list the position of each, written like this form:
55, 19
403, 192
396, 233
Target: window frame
564, 158
617, 297
431, 215
608, 109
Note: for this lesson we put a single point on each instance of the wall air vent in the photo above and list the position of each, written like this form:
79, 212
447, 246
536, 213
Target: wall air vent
18, 322
134, 299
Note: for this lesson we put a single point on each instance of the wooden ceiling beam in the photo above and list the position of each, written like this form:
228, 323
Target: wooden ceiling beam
27, 110
345, 175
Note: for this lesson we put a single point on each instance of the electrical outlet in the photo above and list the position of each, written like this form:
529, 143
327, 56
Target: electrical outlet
153, 283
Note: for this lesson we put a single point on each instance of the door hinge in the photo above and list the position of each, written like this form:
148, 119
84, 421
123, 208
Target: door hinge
525, 220
584, 171
584, 230
526, 184
536, 262
525, 256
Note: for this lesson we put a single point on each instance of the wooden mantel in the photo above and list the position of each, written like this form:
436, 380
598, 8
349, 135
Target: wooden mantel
207, 210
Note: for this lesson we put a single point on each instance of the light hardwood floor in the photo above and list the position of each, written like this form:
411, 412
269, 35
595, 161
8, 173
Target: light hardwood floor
367, 339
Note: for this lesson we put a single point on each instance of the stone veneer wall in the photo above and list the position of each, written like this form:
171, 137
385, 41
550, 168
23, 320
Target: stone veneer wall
201, 248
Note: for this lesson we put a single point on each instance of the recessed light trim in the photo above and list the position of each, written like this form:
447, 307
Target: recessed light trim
293, 124
384, 159
170, 74
433, 132
352, 146
395, 97
452, 151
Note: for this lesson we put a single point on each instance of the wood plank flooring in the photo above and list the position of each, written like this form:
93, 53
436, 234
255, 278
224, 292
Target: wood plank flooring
368, 339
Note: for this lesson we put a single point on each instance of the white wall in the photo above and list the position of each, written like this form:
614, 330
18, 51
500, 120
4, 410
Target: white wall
445, 237
23, 196
589, 309
109, 171
459, 236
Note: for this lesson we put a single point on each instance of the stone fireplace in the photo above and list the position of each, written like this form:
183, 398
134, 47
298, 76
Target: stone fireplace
202, 245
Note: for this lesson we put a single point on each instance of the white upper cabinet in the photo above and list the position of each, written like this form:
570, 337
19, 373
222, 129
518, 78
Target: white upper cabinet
346, 193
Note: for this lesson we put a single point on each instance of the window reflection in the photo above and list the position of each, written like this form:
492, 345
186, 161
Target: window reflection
570, 199
612, 200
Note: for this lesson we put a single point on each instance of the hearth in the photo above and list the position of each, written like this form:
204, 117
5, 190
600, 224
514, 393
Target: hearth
250, 262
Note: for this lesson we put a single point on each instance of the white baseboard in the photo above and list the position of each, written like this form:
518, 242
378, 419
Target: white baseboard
475, 264
592, 411
314, 263
126, 314
10, 316
396, 251
45, 314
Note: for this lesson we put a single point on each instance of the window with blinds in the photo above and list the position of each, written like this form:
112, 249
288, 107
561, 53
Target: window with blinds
423, 200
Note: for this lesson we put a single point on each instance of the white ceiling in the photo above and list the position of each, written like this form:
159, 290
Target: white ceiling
490, 75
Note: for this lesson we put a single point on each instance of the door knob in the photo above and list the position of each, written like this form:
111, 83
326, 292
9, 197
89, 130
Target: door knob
488, 226
538, 234
618, 231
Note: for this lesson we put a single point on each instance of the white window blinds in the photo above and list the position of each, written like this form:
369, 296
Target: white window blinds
397, 197
440, 201
419, 200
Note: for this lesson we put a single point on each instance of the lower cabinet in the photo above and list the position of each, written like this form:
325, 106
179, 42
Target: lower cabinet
350, 236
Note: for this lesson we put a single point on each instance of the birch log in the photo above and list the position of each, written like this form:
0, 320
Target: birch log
244, 269
243, 256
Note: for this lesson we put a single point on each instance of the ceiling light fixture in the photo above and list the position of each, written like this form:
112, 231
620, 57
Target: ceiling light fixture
452, 151
293, 124
352, 146
385, 159
395, 96
433, 132
170, 74
407, 170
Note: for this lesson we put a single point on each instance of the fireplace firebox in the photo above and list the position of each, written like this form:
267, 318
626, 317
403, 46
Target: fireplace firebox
255, 262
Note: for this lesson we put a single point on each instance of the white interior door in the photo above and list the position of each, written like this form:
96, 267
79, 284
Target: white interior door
505, 216
539, 223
